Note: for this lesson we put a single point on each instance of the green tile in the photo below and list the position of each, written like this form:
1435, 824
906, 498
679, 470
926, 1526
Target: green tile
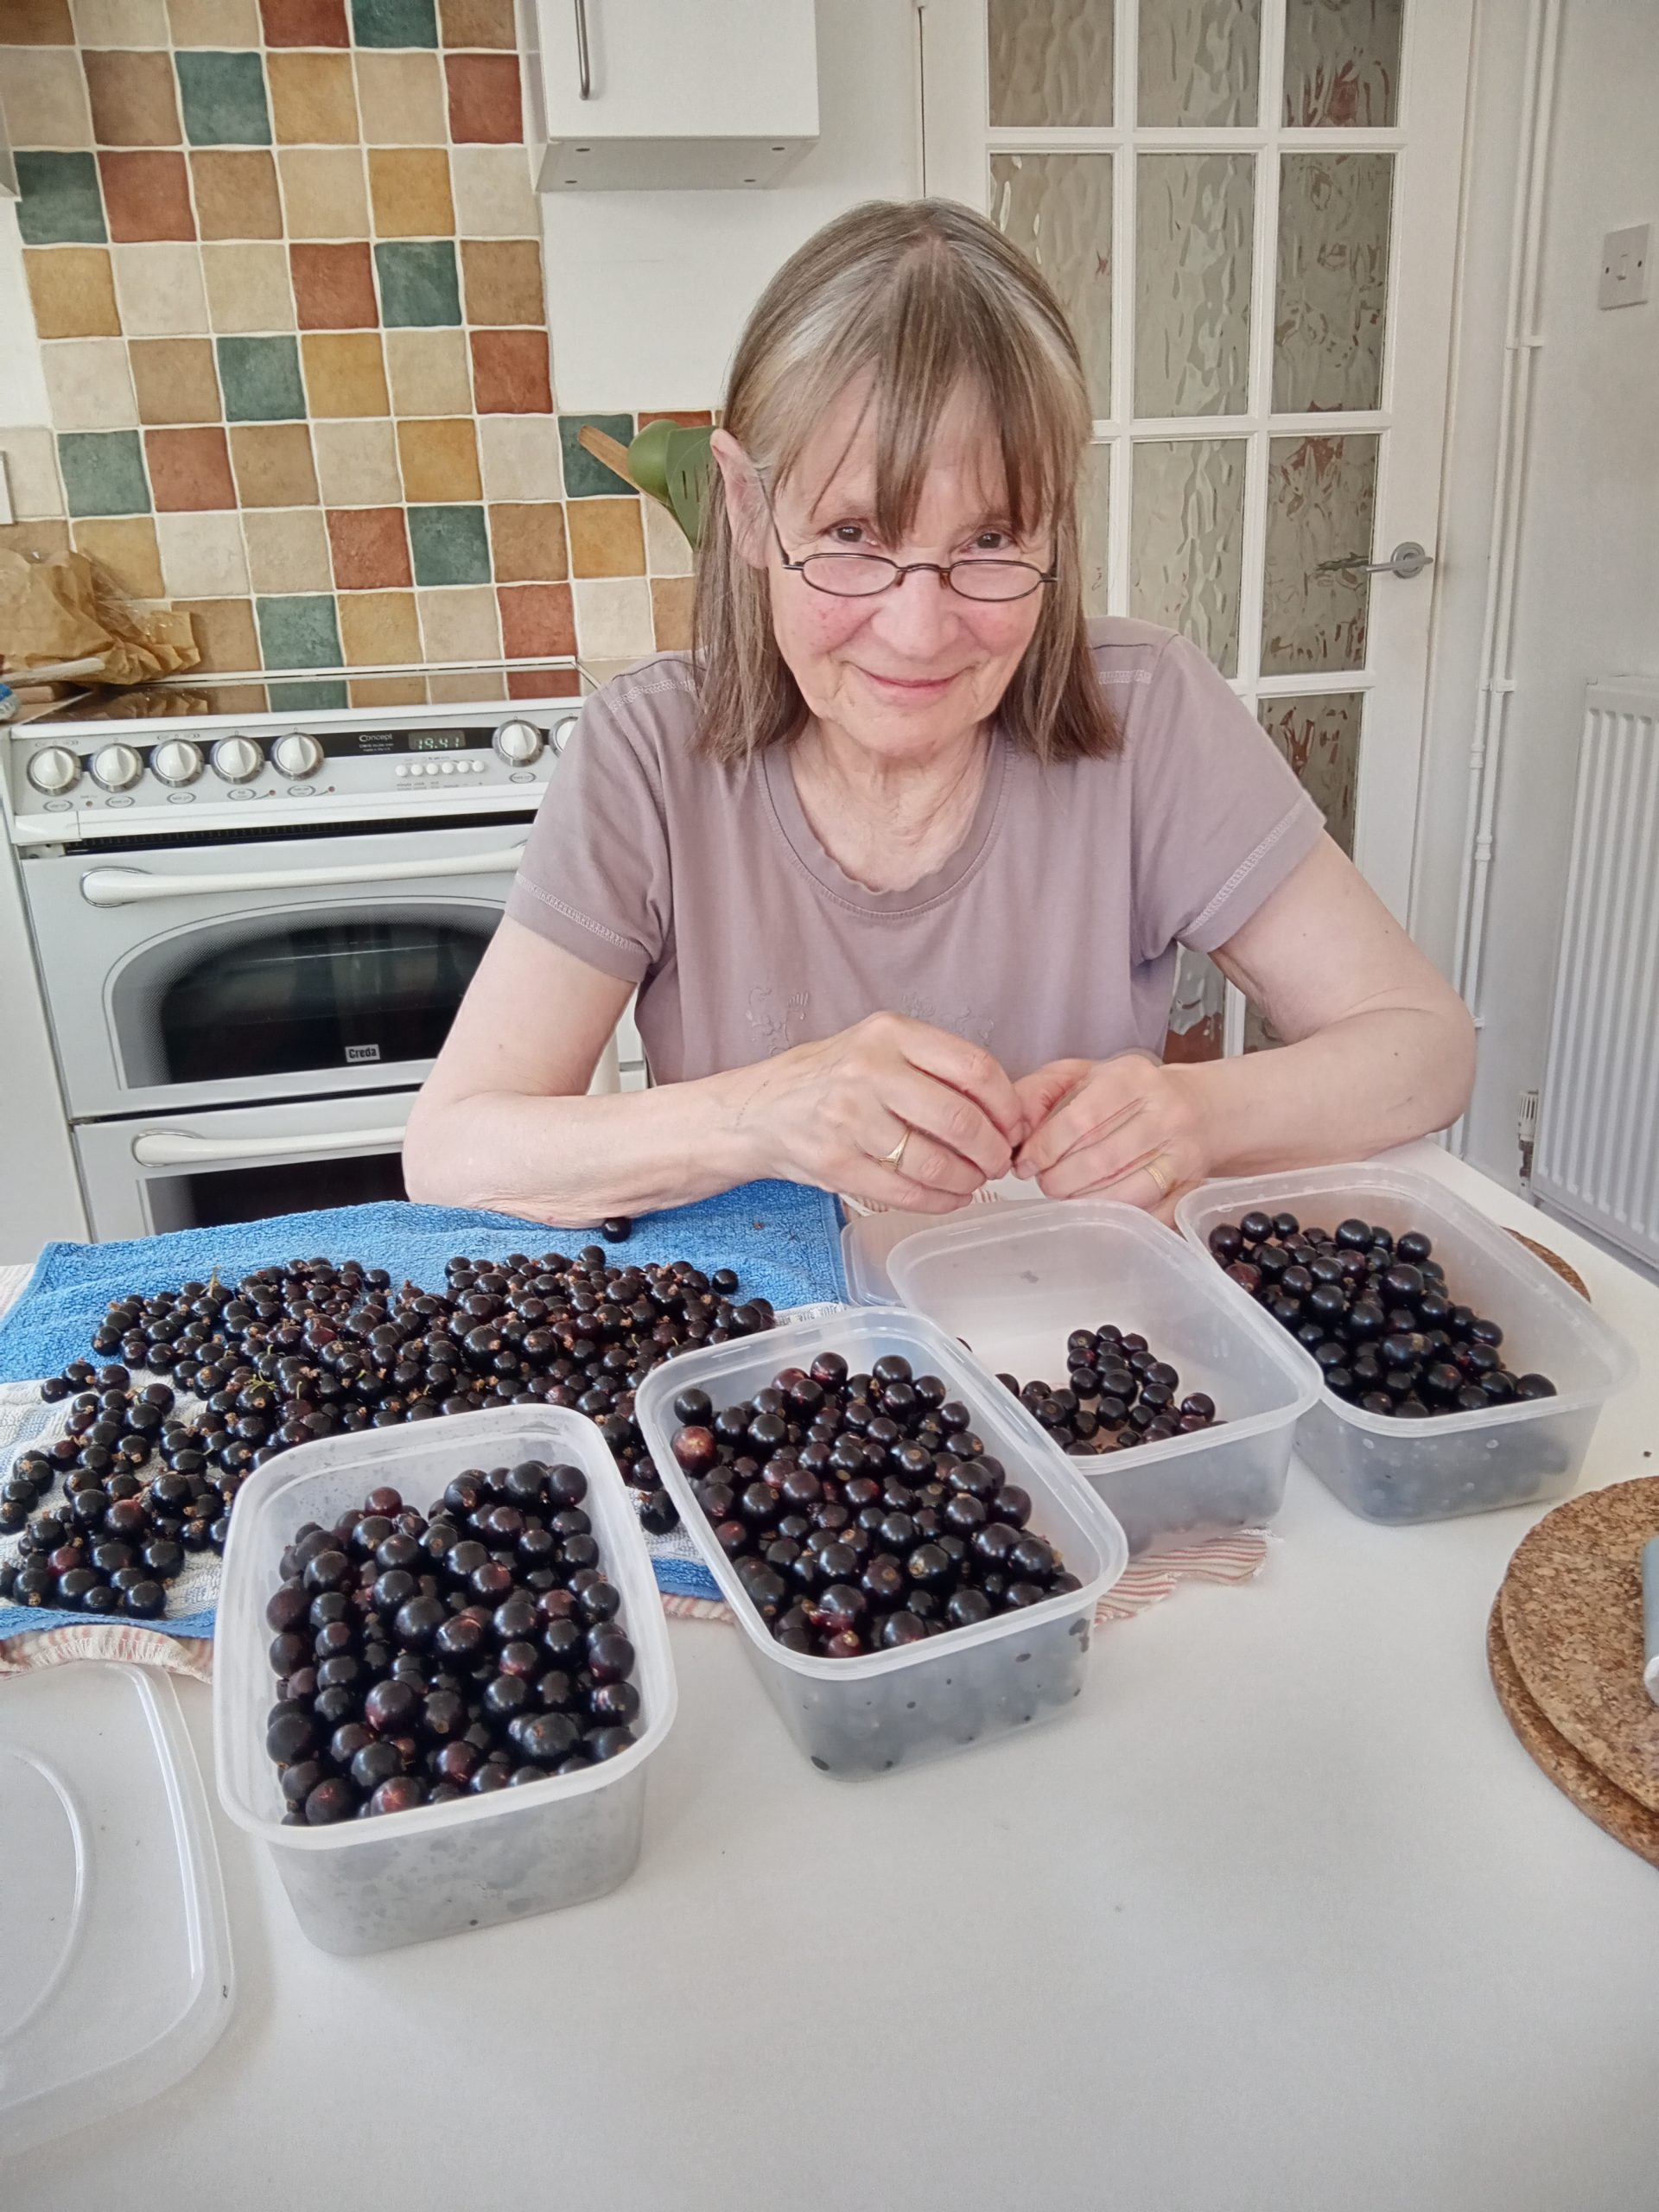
417, 282
300, 630
394, 23
59, 204
104, 473
584, 477
449, 544
261, 379
223, 99
298, 698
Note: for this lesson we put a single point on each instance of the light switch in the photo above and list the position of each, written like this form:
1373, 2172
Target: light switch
1626, 256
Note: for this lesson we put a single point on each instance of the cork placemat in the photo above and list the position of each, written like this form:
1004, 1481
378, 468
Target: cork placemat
1571, 1608
1554, 1261
1625, 1821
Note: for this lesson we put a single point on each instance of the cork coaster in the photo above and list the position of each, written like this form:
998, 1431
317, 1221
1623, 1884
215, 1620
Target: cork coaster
1571, 1606
1554, 1261
1625, 1821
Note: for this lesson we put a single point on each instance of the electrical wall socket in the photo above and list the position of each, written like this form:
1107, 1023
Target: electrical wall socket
1626, 258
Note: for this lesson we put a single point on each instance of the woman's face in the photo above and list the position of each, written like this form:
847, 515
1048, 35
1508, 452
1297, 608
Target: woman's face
912, 670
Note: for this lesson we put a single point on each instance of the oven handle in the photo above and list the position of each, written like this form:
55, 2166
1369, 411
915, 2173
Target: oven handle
180, 1148
131, 887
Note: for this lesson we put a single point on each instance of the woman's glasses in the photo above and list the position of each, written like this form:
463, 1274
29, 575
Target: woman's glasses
861, 575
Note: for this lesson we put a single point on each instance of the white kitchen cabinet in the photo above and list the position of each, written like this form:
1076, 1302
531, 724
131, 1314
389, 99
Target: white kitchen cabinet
647, 95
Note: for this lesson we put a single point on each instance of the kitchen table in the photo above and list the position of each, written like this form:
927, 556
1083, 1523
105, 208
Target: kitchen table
1281, 1919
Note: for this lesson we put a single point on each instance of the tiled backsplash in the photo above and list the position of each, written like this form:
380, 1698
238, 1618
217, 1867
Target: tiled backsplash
285, 268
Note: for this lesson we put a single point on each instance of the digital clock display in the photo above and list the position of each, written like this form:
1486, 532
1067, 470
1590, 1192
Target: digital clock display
437, 740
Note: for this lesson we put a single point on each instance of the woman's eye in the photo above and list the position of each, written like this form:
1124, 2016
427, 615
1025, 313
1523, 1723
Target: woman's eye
848, 533
992, 541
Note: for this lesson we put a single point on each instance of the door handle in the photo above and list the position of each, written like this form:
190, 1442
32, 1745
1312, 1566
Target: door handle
132, 887
181, 1148
583, 67
1408, 559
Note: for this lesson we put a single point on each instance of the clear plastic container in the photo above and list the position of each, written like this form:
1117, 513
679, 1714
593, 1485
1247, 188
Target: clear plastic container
867, 1238
890, 1709
1012, 1282
1449, 1463
368, 1885
113, 1926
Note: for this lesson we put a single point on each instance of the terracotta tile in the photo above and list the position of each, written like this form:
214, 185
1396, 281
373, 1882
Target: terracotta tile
478, 23
190, 469
510, 372
72, 292
224, 634
430, 371
216, 23
527, 543
288, 549
273, 464
670, 613
203, 555
35, 541
43, 95
160, 290
520, 455
537, 619
313, 100
544, 683
689, 418
402, 98
379, 629
440, 460
89, 384
146, 196
175, 380
323, 195
460, 625
119, 23
103, 473
237, 196
133, 98
248, 288
494, 197
333, 287
387, 690
485, 109
410, 186
357, 463
305, 23
503, 279
614, 618
607, 539
39, 22
125, 548
371, 548
31, 459
343, 373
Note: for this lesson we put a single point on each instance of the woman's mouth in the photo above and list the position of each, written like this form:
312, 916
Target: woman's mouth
909, 687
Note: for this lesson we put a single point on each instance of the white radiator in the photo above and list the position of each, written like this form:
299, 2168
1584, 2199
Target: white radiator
1598, 1156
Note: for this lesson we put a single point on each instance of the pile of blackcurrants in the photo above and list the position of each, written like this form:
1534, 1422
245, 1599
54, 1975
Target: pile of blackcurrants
1378, 1314
313, 1349
420, 1657
861, 1511
1118, 1394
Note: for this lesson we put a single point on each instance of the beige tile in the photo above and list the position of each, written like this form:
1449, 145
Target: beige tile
668, 552
401, 97
120, 22
520, 457
379, 629
323, 191
124, 546
35, 541
31, 463
160, 290
215, 23
357, 464
90, 384
614, 618
312, 101
72, 291
494, 195
430, 372
464, 689
202, 555
43, 95
410, 189
288, 549
460, 625
248, 286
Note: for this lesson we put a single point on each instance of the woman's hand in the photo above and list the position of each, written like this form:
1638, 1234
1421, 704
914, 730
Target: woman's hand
831, 1113
1128, 1129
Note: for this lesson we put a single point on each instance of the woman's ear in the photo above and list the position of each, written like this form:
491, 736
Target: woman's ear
745, 506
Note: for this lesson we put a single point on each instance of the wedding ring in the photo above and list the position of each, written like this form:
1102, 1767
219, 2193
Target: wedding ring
1158, 1173
891, 1159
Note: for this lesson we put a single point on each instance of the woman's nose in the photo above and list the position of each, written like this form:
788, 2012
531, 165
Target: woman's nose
916, 616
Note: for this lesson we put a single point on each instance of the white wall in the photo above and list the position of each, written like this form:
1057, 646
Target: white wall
1587, 600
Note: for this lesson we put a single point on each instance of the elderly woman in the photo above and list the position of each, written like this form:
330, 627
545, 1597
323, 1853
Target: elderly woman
900, 858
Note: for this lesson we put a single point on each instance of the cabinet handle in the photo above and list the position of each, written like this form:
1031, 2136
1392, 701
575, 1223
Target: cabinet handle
583, 67
132, 887
183, 1148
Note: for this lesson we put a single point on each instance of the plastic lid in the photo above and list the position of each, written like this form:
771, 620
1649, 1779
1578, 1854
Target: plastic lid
118, 1959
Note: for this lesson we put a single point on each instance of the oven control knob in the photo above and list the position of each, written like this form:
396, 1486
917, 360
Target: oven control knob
297, 755
176, 761
53, 768
561, 733
117, 768
238, 760
519, 742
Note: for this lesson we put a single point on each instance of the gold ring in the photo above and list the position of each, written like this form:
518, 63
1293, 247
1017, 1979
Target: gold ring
891, 1159
1154, 1167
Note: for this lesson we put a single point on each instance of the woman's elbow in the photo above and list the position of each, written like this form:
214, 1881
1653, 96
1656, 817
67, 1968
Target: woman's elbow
1448, 1062
429, 1164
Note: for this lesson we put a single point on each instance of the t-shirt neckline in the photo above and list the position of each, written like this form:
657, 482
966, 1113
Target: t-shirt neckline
789, 817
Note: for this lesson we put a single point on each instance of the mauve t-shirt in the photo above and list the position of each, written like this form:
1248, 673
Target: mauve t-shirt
1052, 931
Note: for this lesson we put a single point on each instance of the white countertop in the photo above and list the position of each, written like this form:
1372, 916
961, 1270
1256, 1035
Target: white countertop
1281, 1919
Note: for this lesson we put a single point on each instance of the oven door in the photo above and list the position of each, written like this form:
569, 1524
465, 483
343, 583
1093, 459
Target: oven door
218, 974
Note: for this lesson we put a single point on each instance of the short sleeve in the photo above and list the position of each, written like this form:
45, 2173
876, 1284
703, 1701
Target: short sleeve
1220, 820
595, 877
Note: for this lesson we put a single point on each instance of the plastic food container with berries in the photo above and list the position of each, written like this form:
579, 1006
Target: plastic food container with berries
1439, 1464
890, 1708
370, 1884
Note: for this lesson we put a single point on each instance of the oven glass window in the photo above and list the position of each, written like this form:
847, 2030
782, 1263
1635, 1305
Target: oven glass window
226, 1194
338, 995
